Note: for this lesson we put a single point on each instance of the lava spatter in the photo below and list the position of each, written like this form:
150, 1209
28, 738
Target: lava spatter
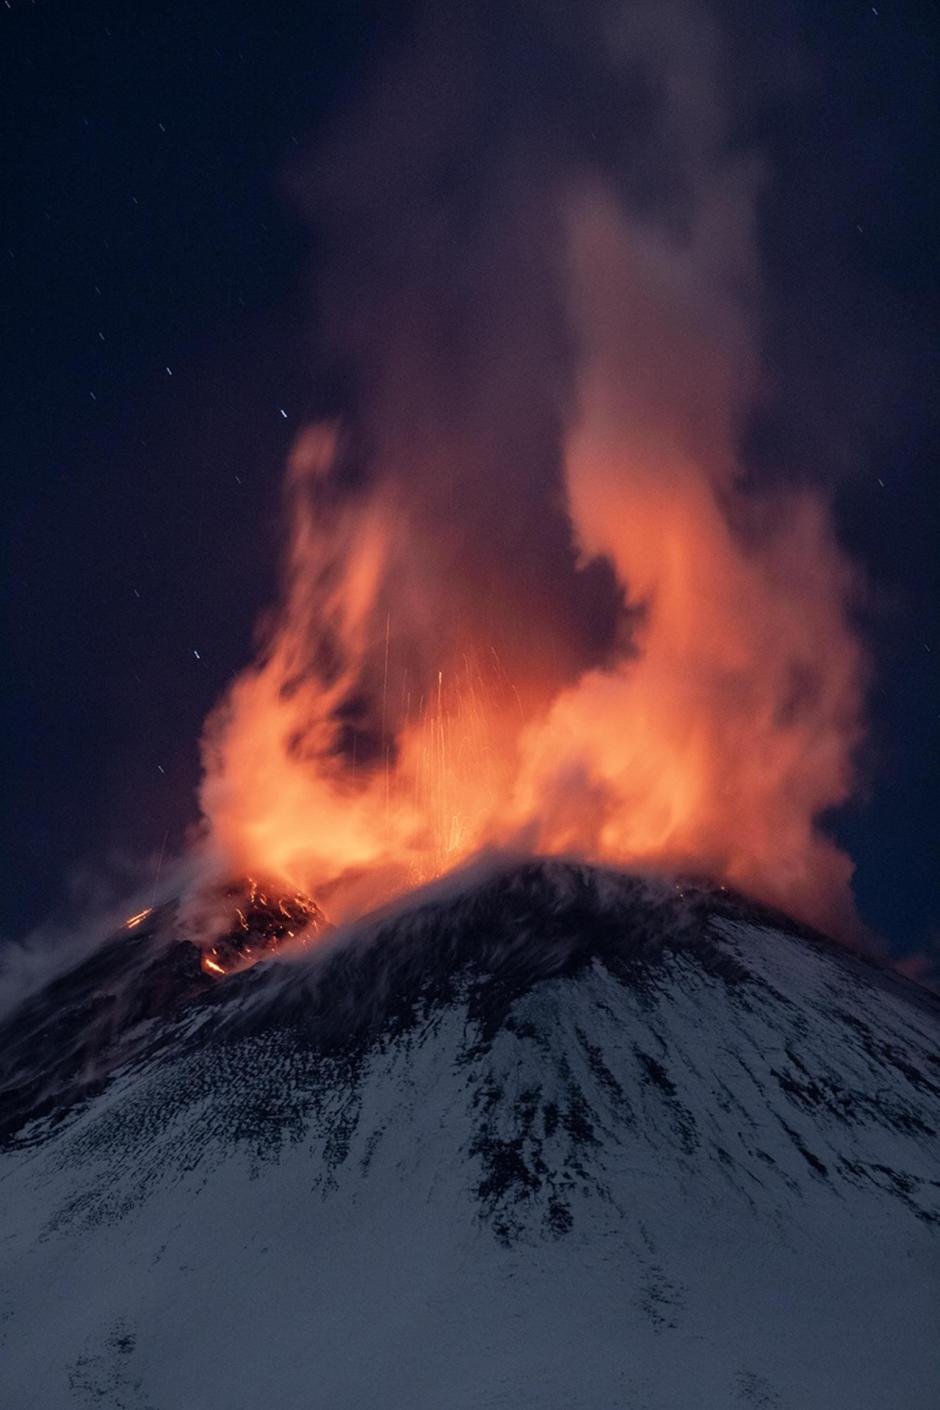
263, 921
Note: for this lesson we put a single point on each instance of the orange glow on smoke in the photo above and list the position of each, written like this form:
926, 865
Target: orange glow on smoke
719, 744
713, 742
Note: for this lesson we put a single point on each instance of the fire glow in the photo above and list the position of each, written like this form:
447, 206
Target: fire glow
707, 751
251, 922
428, 687
132, 922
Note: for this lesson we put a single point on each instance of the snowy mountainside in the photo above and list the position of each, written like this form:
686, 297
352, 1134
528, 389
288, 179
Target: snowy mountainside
560, 1138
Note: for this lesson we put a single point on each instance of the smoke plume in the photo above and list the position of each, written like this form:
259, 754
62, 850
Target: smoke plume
532, 597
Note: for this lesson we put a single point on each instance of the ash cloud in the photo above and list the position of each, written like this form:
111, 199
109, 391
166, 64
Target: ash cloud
443, 207
538, 288
443, 292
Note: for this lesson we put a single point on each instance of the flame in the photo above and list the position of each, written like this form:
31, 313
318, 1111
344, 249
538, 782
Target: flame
381, 737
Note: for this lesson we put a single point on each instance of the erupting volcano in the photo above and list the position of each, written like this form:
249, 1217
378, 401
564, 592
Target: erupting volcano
533, 597
493, 1043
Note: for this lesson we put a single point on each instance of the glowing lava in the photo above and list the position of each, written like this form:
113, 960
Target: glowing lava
133, 921
253, 922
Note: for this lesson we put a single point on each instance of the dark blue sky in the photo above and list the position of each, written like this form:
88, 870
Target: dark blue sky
158, 323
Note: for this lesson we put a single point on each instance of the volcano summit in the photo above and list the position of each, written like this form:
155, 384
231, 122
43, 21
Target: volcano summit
549, 1136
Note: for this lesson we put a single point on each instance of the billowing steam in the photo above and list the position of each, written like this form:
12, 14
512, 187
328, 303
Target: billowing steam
531, 597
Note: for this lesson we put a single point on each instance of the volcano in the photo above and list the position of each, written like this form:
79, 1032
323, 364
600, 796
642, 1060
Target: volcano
542, 1136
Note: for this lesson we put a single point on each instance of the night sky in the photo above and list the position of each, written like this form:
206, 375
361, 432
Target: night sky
159, 345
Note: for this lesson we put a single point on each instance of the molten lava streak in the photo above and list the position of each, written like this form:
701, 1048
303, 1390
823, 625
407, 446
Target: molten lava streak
133, 921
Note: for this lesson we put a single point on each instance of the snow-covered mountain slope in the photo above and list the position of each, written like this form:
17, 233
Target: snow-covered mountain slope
558, 1139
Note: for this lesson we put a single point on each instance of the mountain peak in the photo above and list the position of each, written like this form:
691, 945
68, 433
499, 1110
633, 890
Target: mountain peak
539, 1097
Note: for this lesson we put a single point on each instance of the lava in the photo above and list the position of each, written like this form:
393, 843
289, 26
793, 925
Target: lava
258, 922
133, 921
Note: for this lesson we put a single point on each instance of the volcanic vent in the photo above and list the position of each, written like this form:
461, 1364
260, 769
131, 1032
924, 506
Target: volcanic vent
546, 1136
252, 921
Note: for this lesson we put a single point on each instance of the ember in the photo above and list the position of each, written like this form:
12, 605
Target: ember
534, 596
133, 921
263, 923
